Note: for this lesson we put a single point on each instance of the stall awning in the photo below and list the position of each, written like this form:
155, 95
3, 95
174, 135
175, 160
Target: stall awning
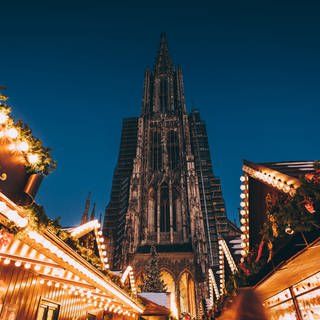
297, 268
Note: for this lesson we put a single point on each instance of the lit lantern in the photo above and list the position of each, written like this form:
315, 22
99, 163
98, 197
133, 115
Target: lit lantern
3, 118
33, 158
23, 146
3, 206
12, 133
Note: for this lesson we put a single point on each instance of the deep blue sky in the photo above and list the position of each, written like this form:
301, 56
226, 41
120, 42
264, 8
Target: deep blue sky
74, 69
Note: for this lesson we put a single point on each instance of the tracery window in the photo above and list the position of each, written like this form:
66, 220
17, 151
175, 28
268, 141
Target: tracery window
175, 203
156, 151
173, 150
164, 209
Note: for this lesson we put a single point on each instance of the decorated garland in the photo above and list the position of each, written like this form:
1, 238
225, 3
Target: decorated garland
5, 237
290, 215
37, 158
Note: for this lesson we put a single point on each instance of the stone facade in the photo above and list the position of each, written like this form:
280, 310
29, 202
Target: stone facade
165, 204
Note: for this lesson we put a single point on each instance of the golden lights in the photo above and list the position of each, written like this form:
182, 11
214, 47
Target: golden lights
280, 181
244, 213
129, 272
213, 284
10, 131
13, 215
80, 268
91, 296
87, 227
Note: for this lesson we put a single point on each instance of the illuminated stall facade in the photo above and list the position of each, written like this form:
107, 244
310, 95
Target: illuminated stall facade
41, 276
280, 223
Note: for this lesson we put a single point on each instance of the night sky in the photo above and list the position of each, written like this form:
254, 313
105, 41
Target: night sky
74, 70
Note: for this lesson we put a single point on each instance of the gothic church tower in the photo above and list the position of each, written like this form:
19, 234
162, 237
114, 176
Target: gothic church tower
156, 196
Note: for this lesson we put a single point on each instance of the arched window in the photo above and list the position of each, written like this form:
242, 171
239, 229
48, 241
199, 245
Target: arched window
187, 294
164, 209
171, 288
173, 150
152, 210
175, 205
169, 281
155, 151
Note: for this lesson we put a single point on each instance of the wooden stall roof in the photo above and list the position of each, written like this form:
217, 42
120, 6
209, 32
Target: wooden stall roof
152, 308
297, 268
47, 250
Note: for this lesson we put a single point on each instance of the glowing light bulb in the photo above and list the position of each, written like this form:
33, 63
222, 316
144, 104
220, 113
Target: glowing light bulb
37, 267
33, 158
27, 265
6, 261
41, 281
49, 283
3, 206
242, 195
286, 188
3, 117
242, 179
12, 133
23, 146
242, 187
18, 263
47, 270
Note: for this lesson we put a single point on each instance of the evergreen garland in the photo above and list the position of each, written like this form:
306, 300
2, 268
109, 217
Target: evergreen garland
45, 165
300, 213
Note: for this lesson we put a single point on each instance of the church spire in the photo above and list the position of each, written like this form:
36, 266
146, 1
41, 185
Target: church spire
163, 63
85, 215
163, 88
93, 212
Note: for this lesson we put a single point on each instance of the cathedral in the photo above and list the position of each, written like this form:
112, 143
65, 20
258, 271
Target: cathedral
164, 192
